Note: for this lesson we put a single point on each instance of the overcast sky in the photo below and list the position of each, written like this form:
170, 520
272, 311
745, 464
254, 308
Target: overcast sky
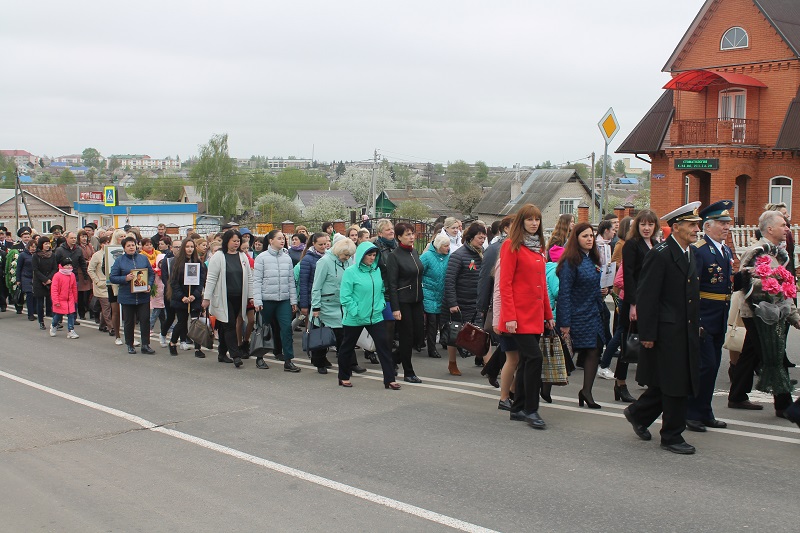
501, 81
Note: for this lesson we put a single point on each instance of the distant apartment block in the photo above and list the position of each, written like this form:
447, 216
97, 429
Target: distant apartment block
145, 162
20, 157
288, 163
73, 159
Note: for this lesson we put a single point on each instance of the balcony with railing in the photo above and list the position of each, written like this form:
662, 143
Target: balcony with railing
715, 131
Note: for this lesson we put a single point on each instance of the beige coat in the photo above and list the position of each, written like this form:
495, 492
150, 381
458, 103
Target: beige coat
746, 308
98, 277
216, 290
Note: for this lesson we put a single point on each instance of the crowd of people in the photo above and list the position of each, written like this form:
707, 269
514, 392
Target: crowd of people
377, 292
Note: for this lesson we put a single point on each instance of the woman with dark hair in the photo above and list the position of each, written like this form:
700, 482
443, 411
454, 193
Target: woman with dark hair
558, 238
405, 294
84, 283
461, 285
298, 247
525, 308
614, 343
274, 293
135, 306
185, 299
229, 285
44, 268
25, 277
580, 303
640, 240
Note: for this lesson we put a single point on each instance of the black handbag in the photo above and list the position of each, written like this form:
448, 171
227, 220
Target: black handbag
200, 331
450, 332
261, 341
632, 345
317, 337
17, 296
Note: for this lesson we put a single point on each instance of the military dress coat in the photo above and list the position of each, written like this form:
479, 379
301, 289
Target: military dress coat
715, 270
667, 308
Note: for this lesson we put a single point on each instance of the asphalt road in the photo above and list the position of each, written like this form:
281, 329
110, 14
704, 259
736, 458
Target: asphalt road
94, 439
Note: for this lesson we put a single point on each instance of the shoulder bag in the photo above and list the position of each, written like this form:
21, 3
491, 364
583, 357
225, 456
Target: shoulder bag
734, 337
200, 331
632, 345
317, 337
450, 331
261, 341
473, 339
554, 367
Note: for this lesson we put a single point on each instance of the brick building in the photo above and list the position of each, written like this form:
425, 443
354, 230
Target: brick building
728, 123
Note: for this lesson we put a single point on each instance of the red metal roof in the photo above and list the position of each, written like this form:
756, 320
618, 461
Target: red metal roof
697, 80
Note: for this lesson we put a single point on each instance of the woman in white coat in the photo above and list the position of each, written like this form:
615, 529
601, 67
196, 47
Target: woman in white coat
229, 287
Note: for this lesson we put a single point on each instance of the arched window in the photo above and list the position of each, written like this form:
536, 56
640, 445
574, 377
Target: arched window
734, 38
780, 190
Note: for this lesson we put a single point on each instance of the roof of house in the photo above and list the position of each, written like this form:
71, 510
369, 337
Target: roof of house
7, 195
14, 153
192, 194
430, 198
53, 194
648, 136
629, 181
309, 197
539, 187
789, 136
782, 14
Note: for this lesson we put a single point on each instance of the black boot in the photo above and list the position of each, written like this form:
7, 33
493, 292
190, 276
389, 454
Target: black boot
621, 394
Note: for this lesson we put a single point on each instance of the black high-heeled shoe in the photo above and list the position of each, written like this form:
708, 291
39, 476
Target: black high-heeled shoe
621, 394
546, 396
589, 403
173, 350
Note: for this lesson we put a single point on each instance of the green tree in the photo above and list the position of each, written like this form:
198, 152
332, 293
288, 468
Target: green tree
215, 176
481, 173
402, 177
581, 168
276, 208
438, 168
358, 180
326, 208
114, 164
413, 210
142, 187
545, 164
8, 173
458, 176
466, 200
340, 169
166, 188
598, 167
619, 167
91, 175
291, 180
66, 177
91, 157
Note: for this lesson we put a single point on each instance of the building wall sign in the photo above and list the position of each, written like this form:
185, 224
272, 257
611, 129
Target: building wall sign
697, 164
92, 196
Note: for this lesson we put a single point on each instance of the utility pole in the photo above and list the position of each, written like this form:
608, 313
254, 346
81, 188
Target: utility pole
594, 200
371, 203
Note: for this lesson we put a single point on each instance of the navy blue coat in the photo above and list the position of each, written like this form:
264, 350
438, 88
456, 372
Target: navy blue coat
580, 304
715, 271
25, 271
122, 266
308, 266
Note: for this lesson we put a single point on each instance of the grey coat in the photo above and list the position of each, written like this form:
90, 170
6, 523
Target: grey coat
273, 277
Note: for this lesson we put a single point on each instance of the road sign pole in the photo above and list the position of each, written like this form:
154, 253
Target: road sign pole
608, 127
603, 182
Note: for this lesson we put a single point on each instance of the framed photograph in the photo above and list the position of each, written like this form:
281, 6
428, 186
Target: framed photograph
113, 251
139, 281
191, 274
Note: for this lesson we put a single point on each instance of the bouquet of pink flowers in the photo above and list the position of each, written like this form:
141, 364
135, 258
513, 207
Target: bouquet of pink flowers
775, 281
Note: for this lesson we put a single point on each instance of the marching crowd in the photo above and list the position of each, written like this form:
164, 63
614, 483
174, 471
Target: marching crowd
539, 306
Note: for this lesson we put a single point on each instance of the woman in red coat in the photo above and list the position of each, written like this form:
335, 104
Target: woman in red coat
525, 307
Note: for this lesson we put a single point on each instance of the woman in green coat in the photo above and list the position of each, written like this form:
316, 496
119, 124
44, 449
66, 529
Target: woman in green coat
362, 297
325, 304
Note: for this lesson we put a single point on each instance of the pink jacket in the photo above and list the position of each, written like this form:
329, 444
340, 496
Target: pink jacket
64, 292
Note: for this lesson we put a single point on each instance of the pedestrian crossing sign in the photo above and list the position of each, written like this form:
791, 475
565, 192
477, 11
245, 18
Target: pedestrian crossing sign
110, 196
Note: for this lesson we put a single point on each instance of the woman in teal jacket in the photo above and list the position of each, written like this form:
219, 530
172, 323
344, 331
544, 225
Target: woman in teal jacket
434, 264
325, 304
362, 297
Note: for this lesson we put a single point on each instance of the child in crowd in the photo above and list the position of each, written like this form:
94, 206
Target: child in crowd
64, 293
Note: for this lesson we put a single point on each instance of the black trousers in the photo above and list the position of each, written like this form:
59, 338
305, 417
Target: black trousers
699, 407
43, 305
347, 350
166, 324
652, 403
181, 329
621, 370
319, 358
432, 327
228, 341
749, 361
133, 313
529, 374
411, 330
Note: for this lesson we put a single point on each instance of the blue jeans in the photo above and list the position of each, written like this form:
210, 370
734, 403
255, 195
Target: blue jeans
155, 314
70, 320
282, 310
611, 347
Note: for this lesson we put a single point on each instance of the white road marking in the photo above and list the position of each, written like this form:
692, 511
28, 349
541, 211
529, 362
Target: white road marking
265, 463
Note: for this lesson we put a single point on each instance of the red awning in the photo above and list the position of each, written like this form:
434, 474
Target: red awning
697, 80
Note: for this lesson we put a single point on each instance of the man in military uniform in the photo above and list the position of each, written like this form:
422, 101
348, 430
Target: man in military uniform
715, 268
667, 308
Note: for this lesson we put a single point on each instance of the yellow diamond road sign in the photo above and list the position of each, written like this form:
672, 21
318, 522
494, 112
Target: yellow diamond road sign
608, 125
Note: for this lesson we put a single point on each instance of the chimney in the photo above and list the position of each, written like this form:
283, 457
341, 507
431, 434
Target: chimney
583, 213
339, 226
287, 227
619, 211
629, 207
516, 185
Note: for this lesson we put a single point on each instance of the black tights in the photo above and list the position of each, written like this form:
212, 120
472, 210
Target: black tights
591, 360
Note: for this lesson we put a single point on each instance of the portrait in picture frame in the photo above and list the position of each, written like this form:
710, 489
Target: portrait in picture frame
139, 281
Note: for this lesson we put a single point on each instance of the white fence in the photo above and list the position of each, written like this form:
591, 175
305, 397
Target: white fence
743, 237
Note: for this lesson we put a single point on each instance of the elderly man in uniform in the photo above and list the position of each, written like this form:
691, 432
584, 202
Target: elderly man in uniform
667, 299
715, 269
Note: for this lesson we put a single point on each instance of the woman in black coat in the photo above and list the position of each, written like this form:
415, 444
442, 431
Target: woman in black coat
185, 300
404, 272
44, 268
25, 277
461, 285
640, 240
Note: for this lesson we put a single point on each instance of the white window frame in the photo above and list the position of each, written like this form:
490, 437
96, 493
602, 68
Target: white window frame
46, 229
107, 221
562, 203
730, 112
734, 38
781, 192
686, 189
